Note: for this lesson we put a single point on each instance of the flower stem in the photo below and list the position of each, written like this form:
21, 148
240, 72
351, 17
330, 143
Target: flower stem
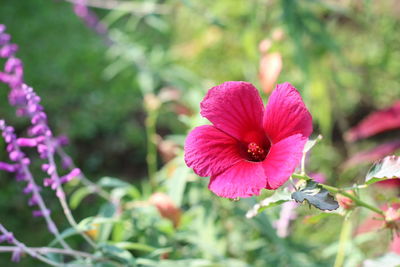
336, 190
46, 250
92, 186
29, 251
50, 223
344, 238
61, 195
151, 157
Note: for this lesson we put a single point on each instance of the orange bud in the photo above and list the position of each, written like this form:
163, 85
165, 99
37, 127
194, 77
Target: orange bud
270, 68
168, 149
345, 202
392, 218
278, 34
151, 102
166, 207
94, 232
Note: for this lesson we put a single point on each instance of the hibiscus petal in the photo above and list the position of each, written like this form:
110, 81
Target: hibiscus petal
210, 151
286, 114
282, 159
244, 179
235, 108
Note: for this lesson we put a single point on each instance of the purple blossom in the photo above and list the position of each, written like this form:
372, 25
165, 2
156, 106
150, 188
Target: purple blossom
40, 213
16, 256
8, 167
9, 237
91, 20
40, 137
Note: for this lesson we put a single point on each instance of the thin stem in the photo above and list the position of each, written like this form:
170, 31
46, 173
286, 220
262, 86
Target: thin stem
151, 156
46, 250
358, 201
61, 194
40, 202
29, 251
344, 238
303, 164
42, 206
92, 186
72, 221
343, 192
137, 8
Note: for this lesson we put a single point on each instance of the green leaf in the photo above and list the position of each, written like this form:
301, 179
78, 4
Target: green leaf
389, 260
117, 254
317, 196
177, 183
135, 246
311, 143
278, 198
77, 197
386, 168
112, 182
65, 234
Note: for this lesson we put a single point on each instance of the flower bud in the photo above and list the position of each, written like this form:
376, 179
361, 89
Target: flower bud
166, 207
392, 218
345, 202
151, 102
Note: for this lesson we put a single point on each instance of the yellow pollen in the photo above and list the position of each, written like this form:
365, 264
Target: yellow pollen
256, 153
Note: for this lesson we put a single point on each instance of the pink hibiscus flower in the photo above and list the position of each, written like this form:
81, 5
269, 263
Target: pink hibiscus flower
248, 148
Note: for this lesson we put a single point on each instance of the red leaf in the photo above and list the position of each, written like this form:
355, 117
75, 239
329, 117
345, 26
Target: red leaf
377, 122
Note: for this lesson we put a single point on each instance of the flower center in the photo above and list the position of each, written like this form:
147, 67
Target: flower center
255, 152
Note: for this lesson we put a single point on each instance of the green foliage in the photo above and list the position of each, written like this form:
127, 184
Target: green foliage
315, 195
386, 168
279, 197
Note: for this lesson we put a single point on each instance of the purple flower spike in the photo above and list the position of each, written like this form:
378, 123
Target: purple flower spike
73, 174
16, 155
33, 201
48, 182
8, 50
9, 237
29, 188
40, 213
4, 38
62, 140
8, 167
20, 176
29, 142
66, 162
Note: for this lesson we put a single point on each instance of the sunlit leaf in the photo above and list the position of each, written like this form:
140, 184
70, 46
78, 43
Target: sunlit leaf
117, 253
78, 196
311, 143
317, 196
278, 198
112, 182
386, 168
387, 260
65, 234
135, 246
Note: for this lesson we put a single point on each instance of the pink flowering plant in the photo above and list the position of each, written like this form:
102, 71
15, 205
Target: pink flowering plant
247, 188
248, 147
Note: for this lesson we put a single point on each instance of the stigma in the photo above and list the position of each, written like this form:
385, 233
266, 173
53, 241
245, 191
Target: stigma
255, 152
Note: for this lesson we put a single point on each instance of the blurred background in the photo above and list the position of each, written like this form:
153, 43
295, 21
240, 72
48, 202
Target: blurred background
124, 79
